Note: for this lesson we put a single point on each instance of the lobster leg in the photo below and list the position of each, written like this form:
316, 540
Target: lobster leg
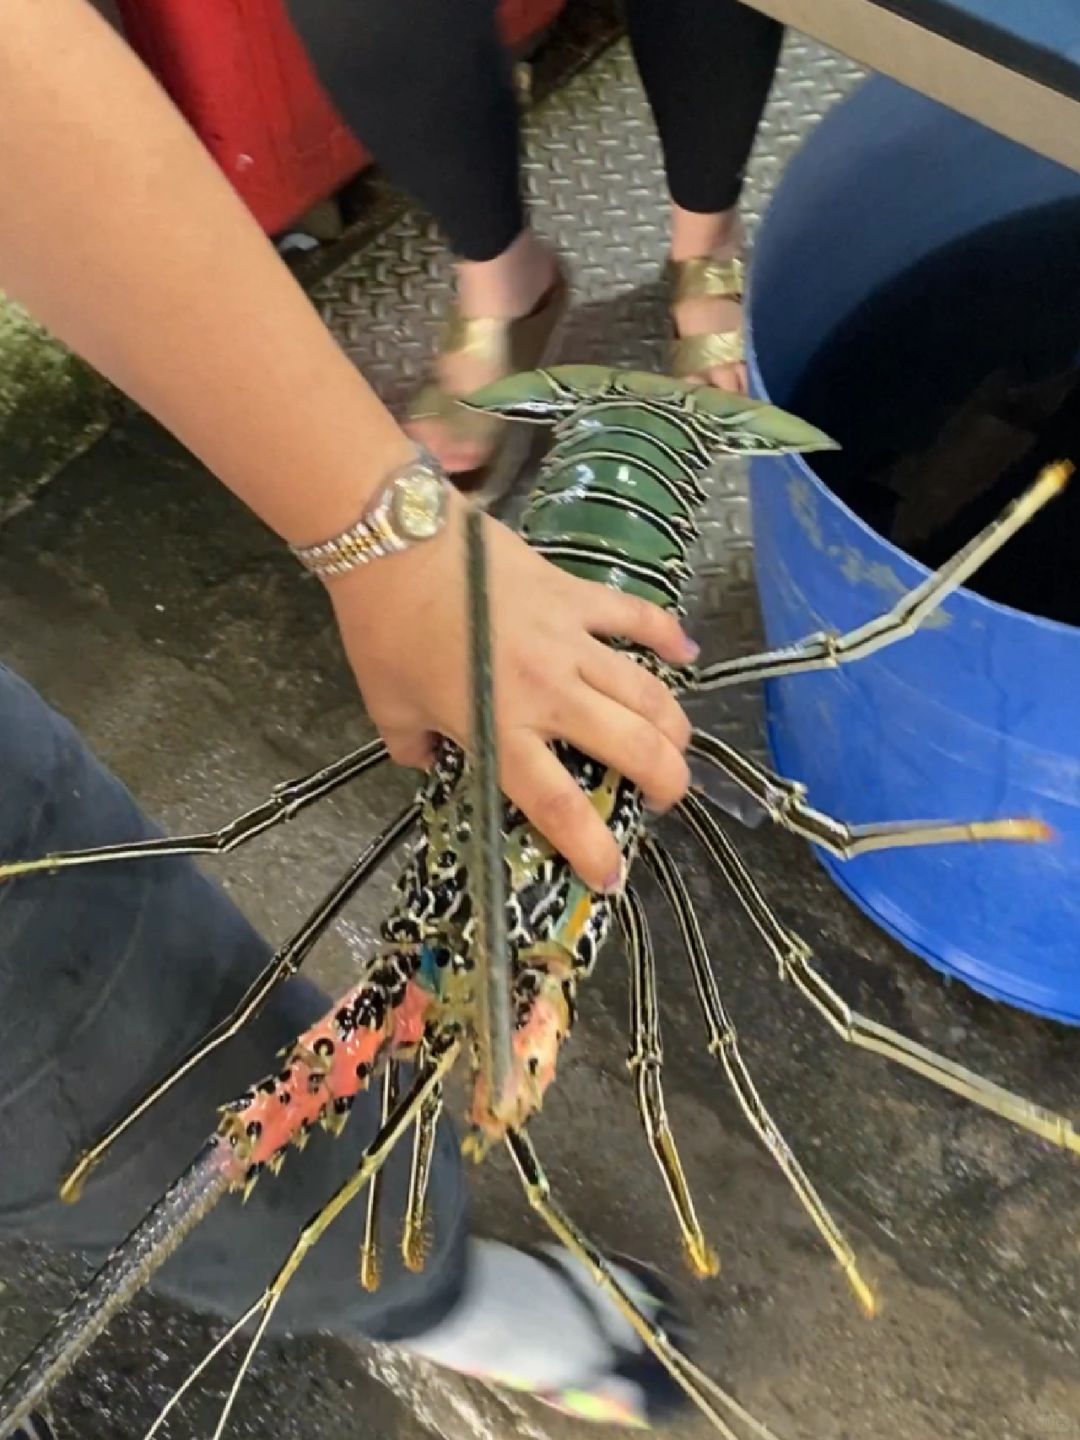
703, 1391
283, 964
375, 1156
793, 957
286, 801
414, 1234
826, 652
646, 1061
785, 804
724, 1044
369, 1246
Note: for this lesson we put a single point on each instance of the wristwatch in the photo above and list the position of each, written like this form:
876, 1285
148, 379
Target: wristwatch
409, 509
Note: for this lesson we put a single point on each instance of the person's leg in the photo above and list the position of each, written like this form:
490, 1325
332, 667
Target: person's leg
707, 67
108, 975
428, 88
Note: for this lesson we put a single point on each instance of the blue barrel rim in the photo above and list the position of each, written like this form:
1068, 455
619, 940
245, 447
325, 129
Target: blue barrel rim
758, 388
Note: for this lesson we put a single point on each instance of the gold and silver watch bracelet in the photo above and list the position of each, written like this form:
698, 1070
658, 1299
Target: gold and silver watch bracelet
409, 508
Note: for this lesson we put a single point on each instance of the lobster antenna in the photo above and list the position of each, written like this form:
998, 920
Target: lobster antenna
487, 873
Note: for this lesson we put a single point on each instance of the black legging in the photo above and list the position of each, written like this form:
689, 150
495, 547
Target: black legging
427, 86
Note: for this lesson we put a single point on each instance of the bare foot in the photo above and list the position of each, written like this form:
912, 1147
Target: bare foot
505, 288
720, 237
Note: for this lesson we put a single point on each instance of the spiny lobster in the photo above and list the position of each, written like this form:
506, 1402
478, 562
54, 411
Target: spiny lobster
617, 501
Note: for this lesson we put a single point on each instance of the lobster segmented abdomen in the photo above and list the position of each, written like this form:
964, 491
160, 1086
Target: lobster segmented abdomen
616, 504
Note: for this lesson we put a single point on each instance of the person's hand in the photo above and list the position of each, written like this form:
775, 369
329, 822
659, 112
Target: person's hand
403, 623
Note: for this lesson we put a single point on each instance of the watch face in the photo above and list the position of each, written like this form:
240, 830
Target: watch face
419, 505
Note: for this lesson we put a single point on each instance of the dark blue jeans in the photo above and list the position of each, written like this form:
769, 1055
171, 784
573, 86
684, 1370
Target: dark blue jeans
108, 975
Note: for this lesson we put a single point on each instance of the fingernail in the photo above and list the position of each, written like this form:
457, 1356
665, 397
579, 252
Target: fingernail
691, 649
615, 884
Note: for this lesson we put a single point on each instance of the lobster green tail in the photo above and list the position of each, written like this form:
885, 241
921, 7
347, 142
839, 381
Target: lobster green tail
618, 495
545, 396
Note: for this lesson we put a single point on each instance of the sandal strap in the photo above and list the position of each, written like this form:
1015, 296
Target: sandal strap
707, 278
484, 339
433, 403
698, 354
506, 347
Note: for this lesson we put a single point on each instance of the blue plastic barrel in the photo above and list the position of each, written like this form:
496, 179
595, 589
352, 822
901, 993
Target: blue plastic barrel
977, 716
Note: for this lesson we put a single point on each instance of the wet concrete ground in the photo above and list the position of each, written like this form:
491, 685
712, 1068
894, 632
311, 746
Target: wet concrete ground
150, 609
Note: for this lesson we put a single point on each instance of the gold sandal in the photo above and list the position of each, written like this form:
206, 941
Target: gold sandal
700, 279
507, 346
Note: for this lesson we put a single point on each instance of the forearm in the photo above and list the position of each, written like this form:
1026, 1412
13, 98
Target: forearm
119, 233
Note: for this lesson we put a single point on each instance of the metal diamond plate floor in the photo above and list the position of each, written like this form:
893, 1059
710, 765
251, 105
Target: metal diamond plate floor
595, 179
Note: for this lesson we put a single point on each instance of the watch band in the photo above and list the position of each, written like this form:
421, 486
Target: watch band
408, 508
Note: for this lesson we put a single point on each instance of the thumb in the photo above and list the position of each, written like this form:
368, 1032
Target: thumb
415, 749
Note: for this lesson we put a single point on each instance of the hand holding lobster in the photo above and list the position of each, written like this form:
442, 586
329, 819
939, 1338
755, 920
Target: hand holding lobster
403, 626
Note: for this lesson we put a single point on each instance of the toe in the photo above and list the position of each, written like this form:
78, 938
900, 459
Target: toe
456, 455
731, 378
